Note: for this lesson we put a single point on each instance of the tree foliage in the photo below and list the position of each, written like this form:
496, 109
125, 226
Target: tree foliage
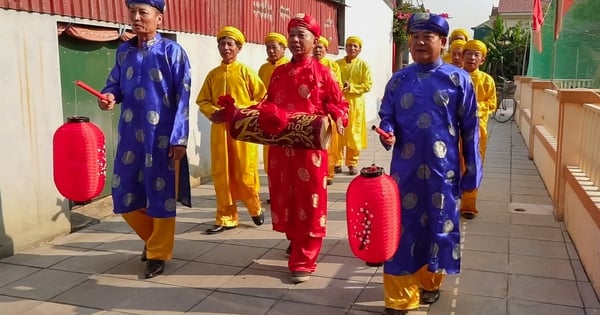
508, 50
401, 14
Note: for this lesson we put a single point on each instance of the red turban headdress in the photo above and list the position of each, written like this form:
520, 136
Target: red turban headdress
306, 21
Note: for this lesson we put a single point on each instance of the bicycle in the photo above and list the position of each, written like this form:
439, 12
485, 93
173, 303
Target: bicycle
507, 104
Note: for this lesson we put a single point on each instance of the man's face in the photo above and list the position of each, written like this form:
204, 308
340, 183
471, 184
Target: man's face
144, 18
319, 51
352, 50
275, 51
426, 46
459, 36
301, 42
472, 59
228, 49
457, 58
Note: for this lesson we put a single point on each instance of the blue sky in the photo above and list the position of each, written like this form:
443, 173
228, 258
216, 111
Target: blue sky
464, 13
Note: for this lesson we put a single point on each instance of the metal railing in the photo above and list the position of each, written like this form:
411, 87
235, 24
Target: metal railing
590, 146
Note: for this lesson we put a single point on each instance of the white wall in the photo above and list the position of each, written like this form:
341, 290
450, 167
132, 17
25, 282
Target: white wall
372, 22
31, 209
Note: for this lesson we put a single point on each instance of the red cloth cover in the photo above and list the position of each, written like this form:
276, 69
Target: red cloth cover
267, 124
373, 215
79, 159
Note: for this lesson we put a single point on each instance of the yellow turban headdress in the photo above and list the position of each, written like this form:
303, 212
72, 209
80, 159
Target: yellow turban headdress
323, 41
476, 45
457, 32
276, 37
354, 39
457, 44
232, 32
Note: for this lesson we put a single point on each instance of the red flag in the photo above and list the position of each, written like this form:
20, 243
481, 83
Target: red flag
562, 6
536, 24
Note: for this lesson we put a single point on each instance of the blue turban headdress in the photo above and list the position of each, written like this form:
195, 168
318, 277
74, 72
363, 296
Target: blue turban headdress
158, 4
428, 22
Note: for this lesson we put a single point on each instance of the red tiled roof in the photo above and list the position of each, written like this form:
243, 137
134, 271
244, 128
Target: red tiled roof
517, 6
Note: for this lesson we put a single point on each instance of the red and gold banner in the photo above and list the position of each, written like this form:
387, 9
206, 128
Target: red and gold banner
302, 131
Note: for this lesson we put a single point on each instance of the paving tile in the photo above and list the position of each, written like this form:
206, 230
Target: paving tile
340, 293
590, 299
534, 219
92, 261
85, 239
133, 269
294, 308
477, 227
572, 251
114, 224
370, 299
226, 303
49, 308
260, 283
10, 273
467, 304
188, 250
17, 306
536, 233
340, 267
44, 284
541, 267
103, 292
486, 243
521, 246
579, 271
517, 306
201, 275
342, 248
162, 300
483, 283
484, 261
232, 255
545, 290
257, 238
42, 256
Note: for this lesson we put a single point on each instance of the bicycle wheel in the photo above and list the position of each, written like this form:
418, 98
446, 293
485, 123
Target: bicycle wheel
505, 110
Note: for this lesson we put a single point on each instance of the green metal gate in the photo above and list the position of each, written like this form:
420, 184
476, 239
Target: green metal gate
89, 62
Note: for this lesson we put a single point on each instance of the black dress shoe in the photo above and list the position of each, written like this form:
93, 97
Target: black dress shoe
154, 267
216, 229
430, 297
391, 311
468, 215
337, 169
144, 257
352, 170
259, 219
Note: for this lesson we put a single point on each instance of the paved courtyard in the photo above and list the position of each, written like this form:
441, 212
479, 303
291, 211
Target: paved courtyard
517, 259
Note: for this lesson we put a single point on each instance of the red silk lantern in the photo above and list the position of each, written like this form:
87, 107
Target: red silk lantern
373, 215
79, 159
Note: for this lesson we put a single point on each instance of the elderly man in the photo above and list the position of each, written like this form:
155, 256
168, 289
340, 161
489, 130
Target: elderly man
320, 52
457, 34
275, 45
426, 107
151, 80
357, 81
474, 52
297, 177
234, 164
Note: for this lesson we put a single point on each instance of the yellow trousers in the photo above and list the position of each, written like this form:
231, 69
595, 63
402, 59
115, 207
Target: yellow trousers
333, 151
158, 234
403, 292
469, 199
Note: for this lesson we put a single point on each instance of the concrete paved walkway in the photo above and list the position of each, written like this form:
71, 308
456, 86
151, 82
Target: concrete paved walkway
516, 260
